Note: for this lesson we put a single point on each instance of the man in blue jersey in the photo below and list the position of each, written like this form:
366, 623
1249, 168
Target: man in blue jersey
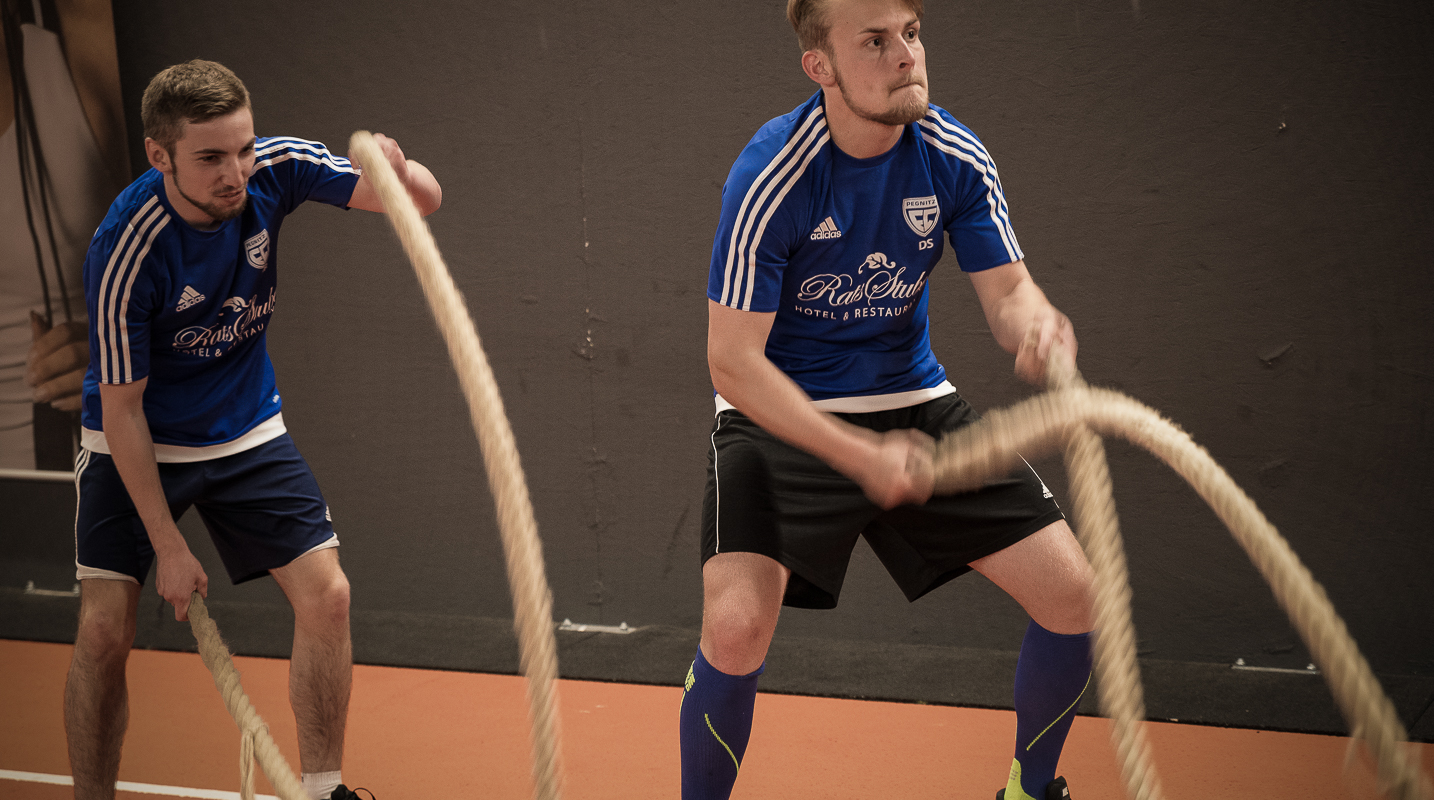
828, 394
180, 409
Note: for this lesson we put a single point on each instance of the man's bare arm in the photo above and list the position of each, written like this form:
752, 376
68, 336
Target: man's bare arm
1021, 318
421, 184
892, 468
132, 448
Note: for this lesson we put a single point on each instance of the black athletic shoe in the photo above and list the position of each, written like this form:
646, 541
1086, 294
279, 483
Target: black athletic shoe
342, 792
1055, 790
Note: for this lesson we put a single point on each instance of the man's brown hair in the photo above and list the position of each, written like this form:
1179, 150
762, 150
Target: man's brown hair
195, 91
809, 20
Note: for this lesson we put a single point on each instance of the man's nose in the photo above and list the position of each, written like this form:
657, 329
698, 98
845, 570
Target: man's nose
235, 172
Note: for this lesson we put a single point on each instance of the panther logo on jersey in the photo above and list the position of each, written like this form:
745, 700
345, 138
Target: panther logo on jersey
921, 213
257, 250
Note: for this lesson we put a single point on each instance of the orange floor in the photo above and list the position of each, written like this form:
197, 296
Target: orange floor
423, 734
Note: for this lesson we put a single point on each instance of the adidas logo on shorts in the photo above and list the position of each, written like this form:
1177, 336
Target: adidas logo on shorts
189, 298
826, 230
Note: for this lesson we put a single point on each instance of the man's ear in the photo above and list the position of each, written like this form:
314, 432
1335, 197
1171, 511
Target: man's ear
157, 155
818, 67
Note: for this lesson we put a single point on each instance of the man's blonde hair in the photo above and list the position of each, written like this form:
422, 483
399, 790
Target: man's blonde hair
809, 20
195, 91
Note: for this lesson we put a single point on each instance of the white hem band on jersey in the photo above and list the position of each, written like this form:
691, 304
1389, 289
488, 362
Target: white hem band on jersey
83, 572
870, 402
268, 430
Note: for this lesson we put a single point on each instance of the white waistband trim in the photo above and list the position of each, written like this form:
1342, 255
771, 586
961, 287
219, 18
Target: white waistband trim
270, 429
869, 402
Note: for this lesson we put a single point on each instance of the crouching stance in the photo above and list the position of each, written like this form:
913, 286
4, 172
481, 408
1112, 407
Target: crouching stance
181, 409
829, 397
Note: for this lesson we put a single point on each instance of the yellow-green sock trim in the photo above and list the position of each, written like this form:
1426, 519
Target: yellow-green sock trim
737, 763
1014, 791
687, 685
1062, 714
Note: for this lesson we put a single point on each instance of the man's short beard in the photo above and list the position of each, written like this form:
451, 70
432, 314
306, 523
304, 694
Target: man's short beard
906, 113
212, 210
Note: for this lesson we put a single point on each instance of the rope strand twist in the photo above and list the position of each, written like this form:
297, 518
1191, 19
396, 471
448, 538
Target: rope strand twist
255, 743
527, 579
1072, 416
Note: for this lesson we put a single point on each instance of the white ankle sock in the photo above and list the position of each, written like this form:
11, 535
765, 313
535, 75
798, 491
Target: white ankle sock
320, 785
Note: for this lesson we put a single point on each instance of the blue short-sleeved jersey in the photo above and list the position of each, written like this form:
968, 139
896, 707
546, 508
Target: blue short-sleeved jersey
188, 309
842, 248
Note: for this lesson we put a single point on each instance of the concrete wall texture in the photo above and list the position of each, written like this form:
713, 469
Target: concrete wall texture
1232, 202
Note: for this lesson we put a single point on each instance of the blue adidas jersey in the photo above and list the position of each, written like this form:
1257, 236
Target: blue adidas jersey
842, 248
188, 309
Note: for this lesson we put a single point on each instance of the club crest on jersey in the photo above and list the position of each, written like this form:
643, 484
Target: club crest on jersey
921, 213
257, 250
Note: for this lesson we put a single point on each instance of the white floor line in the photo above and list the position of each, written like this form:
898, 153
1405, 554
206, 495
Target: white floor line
129, 786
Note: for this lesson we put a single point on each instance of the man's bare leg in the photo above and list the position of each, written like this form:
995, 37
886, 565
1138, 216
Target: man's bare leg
1047, 573
96, 695
321, 668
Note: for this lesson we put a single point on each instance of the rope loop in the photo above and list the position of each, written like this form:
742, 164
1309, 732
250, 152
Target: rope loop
1072, 416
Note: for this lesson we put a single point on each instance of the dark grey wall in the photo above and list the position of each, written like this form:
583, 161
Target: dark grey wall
1231, 200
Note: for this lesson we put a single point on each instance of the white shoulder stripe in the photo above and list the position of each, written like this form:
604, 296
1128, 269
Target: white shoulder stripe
333, 162
751, 258
163, 220
1000, 214
744, 210
956, 135
105, 305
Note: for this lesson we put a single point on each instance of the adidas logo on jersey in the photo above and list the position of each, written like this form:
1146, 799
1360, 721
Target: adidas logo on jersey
826, 230
189, 298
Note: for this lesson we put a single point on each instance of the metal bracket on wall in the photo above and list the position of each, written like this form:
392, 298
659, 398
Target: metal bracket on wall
582, 627
1243, 667
30, 589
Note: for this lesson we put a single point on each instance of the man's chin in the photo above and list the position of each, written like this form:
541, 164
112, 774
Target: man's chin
227, 211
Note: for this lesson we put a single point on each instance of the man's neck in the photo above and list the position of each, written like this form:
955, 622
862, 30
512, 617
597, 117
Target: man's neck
857, 136
188, 212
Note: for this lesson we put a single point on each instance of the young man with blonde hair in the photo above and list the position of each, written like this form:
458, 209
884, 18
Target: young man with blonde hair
828, 394
180, 409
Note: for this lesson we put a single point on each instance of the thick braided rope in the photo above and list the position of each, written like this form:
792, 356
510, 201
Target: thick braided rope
1122, 696
532, 601
255, 741
1040, 424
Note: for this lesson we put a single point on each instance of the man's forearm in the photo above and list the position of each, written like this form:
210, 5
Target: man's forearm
757, 388
1013, 316
132, 449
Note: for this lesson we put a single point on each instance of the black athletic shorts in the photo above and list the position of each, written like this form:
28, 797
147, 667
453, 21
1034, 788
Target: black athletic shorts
765, 496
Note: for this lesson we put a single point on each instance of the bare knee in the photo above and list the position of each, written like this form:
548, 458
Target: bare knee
106, 627
1069, 606
325, 605
741, 599
735, 640
1049, 576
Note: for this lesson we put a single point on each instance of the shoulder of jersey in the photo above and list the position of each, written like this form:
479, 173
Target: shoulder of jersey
950, 138
794, 134
271, 150
137, 205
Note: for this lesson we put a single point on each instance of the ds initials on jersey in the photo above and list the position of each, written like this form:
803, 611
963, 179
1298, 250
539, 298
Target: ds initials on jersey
256, 249
921, 213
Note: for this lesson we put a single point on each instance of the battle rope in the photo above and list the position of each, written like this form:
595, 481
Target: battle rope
1071, 416
532, 601
255, 741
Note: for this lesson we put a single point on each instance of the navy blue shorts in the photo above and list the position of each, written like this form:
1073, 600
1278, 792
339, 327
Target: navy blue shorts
767, 497
262, 507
